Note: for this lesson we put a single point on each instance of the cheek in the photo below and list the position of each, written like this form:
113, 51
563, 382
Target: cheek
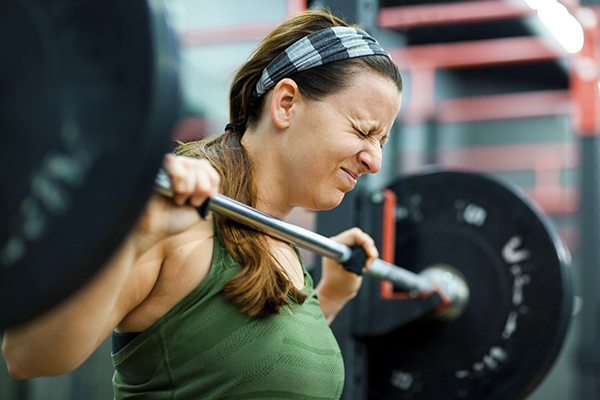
312, 176
324, 139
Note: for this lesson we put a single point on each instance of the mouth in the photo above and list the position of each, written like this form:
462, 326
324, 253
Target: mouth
352, 177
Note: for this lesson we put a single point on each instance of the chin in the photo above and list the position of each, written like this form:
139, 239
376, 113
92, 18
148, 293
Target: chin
329, 203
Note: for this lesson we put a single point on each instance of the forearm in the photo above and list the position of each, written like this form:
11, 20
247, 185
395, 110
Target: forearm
332, 300
337, 285
61, 339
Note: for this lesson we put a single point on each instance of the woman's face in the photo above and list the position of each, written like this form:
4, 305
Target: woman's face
331, 143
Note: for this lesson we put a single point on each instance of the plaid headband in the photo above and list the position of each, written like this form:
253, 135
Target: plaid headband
321, 47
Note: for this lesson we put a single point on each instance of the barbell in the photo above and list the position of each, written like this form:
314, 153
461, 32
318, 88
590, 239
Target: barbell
353, 259
87, 101
500, 268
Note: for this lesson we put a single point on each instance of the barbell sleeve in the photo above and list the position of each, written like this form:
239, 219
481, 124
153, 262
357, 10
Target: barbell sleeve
305, 239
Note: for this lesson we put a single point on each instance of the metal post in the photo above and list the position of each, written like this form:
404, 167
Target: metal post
589, 346
584, 81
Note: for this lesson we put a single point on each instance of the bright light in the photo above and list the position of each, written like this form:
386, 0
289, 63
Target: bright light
565, 28
537, 4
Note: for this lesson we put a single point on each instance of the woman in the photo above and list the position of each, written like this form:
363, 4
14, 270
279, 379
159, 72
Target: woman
212, 309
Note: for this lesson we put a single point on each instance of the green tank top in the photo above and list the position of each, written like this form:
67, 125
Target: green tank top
203, 348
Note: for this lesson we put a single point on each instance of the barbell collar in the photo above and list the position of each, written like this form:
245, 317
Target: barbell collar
401, 277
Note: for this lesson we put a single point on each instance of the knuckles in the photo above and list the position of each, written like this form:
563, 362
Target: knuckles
191, 177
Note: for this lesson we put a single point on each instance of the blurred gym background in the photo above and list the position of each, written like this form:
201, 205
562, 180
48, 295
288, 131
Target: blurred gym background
508, 87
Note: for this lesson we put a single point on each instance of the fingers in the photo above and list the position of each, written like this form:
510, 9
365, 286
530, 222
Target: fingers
356, 237
338, 285
193, 180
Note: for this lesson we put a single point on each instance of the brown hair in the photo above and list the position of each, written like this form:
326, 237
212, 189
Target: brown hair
262, 287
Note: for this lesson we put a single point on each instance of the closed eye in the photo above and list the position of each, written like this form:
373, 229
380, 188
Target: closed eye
382, 141
362, 134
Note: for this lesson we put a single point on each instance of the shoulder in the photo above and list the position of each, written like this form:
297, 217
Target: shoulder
166, 274
287, 259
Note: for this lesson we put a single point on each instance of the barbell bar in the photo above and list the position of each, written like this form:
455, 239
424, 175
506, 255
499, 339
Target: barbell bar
353, 259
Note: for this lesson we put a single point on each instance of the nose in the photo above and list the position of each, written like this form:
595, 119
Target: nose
371, 159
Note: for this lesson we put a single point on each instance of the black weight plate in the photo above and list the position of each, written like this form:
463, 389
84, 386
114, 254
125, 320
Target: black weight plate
88, 95
518, 272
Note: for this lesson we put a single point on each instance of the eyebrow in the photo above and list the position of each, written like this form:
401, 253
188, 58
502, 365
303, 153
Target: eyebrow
359, 124
363, 125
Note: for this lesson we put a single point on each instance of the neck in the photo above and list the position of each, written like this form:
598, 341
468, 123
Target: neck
270, 179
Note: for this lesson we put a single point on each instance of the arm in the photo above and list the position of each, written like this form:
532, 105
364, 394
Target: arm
63, 338
338, 286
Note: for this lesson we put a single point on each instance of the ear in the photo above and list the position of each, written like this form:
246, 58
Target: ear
286, 97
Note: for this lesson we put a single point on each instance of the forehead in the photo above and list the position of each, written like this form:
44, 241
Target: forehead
369, 95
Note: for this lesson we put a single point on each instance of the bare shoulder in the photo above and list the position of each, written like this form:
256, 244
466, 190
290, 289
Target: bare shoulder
288, 260
165, 275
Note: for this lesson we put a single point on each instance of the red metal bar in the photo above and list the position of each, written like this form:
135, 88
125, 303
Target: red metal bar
388, 242
546, 160
505, 106
421, 103
295, 6
227, 34
546, 192
511, 157
237, 33
190, 128
556, 200
459, 12
388, 245
478, 53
